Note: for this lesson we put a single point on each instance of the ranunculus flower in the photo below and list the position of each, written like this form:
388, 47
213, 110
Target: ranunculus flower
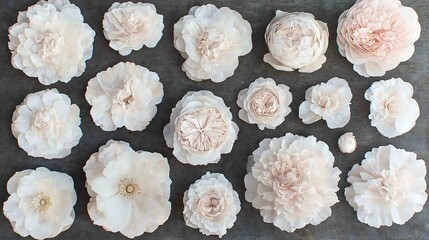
376, 36
211, 40
347, 143
296, 41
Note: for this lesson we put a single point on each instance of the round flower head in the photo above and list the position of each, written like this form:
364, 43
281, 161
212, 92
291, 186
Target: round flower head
347, 143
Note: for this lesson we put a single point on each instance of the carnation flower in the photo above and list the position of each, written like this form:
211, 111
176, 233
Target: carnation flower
387, 187
200, 129
376, 36
292, 181
347, 143
296, 41
50, 41
211, 40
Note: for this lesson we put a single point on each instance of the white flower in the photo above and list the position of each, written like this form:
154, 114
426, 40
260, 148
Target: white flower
388, 187
46, 124
129, 26
296, 41
264, 103
347, 143
124, 95
129, 190
211, 205
50, 41
200, 129
393, 111
211, 40
41, 203
292, 181
328, 101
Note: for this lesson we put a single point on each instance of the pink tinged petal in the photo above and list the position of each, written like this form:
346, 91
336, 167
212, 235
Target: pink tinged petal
268, 58
306, 114
316, 65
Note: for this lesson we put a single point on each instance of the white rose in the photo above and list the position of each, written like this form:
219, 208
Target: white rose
347, 143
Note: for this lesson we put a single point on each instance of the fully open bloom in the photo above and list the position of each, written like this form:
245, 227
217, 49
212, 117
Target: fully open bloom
200, 129
264, 103
388, 187
211, 40
393, 111
292, 181
50, 41
376, 36
41, 203
347, 143
129, 190
296, 41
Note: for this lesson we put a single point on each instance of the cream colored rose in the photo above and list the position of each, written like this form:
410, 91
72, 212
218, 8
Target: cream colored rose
347, 143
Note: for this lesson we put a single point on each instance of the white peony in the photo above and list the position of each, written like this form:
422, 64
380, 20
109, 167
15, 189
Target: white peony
387, 187
124, 95
50, 41
211, 39
129, 190
46, 124
347, 143
200, 129
328, 101
292, 181
211, 205
296, 41
393, 111
129, 26
264, 103
41, 203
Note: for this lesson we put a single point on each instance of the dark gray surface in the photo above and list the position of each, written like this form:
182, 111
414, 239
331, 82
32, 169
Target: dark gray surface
166, 61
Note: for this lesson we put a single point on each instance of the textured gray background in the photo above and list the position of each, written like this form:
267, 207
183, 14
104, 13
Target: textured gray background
166, 61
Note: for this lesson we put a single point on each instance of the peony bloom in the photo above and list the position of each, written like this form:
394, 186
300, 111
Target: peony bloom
211, 40
200, 129
46, 124
211, 205
264, 103
347, 143
328, 101
292, 181
50, 41
129, 26
124, 95
376, 36
387, 187
296, 41
129, 190
41, 203
393, 111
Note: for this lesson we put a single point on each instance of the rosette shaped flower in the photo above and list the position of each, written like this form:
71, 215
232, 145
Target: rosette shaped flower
292, 181
50, 41
387, 187
130, 26
46, 124
347, 143
129, 190
211, 205
41, 203
200, 129
296, 41
211, 39
264, 103
328, 101
376, 36
124, 95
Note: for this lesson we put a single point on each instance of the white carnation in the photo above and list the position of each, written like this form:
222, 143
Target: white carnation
347, 143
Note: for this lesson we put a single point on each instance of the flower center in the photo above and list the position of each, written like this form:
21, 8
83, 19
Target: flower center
124, 96
50, 44
286, 176
41, 203
325, 102
374, 39
45, 117
128, 20
211, 204
386, 188
128, 188
264, 104
211, 44
291, 36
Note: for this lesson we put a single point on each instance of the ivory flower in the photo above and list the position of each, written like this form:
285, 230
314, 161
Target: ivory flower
387, 187
41, 203
211, 205
129, 190
376, 36
347, 143
200, 129
211, 39
50, 41
296, 41
393, 111
46, 124
124, 95
328, 101
264, 103
292, 181
129, 26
